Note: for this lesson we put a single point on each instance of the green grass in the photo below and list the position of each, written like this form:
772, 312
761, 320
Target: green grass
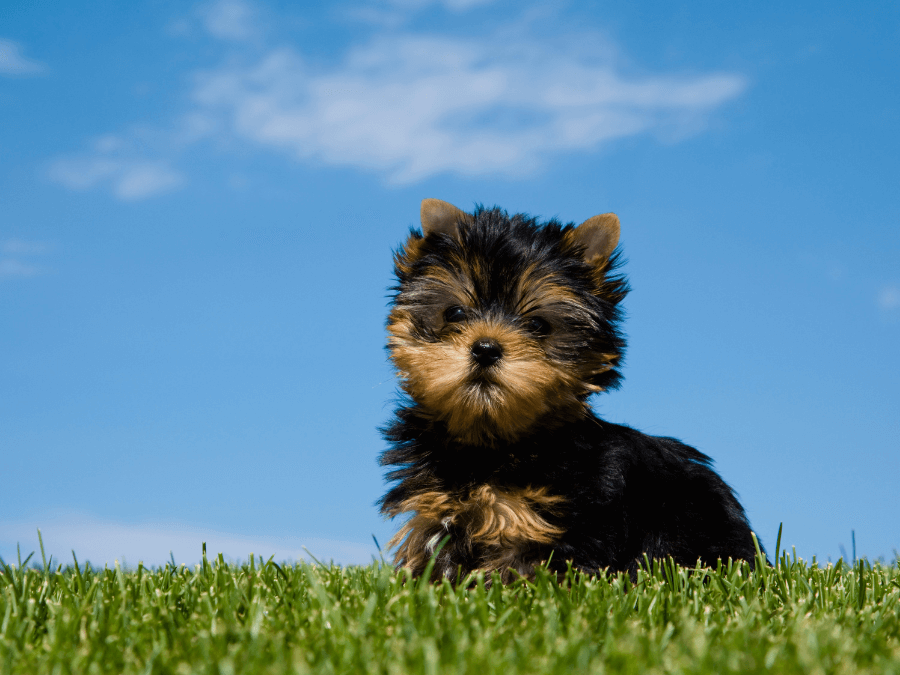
268, 618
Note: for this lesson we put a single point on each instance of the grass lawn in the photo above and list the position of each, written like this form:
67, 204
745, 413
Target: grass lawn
262, 617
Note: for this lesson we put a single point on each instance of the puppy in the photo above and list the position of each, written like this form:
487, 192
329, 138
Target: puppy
500, 329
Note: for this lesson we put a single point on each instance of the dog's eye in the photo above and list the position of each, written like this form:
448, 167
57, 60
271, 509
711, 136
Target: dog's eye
454, 314
537, 326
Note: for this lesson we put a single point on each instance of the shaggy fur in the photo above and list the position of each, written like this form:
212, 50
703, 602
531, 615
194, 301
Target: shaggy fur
500, 329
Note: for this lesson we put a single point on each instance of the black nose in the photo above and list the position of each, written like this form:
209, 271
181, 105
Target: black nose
486, 352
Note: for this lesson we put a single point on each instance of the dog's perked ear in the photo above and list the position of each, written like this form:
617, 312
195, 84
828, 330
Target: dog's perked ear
442, 217
598, 235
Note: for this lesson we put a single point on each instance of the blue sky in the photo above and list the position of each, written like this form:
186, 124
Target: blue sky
198, 205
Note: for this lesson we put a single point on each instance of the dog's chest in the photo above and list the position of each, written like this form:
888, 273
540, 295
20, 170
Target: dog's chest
495, 516
484, 520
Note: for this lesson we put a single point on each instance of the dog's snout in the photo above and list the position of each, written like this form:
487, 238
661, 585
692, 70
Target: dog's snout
486, 352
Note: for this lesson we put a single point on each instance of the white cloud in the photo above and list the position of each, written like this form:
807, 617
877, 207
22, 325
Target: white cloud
406, 106
12, 268
128, 179
455, 5
414, 106
20, 246
144, 179
103, 542
395, 13
460, 5
13, 63
230, 20
889, 298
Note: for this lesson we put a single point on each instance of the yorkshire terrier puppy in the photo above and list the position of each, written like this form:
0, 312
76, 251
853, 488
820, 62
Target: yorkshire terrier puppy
500, 329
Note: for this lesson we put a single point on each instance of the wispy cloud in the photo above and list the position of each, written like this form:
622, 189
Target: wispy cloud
395, 13
16, 258
128, 179
11, 268
21, 246
13, 63
454, 5
103, 542
410, 106
230, 20
118, 163
414, 106
889, 299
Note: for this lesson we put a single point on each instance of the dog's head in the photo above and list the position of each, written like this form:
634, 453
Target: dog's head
500, 323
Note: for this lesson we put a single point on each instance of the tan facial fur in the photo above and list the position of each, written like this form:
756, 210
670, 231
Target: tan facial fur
478, 408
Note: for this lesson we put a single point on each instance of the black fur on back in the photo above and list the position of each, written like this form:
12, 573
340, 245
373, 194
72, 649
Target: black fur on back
627, 493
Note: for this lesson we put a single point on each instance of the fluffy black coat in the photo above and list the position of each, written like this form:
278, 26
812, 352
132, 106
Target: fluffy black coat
501, 328
627, 493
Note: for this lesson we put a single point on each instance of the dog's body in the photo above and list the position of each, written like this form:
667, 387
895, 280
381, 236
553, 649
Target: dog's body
501, 328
